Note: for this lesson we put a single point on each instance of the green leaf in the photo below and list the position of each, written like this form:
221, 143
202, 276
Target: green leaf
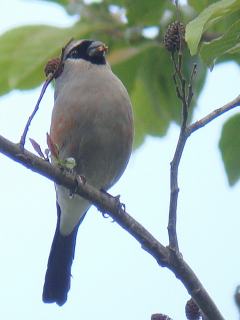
207, 18
156, 73
200, 5
230, 148
125, 63
141, 12
146, 119
228, 43
25, 51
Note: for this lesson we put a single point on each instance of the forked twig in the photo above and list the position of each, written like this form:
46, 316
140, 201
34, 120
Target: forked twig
174, 42
185, 94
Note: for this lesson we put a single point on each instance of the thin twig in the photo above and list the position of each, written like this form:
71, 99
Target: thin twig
213, 115
177, 67
177, 10
190, 84
25, 131
54, 71
180, 86
193, 73
172, 220
184, 94
174, 189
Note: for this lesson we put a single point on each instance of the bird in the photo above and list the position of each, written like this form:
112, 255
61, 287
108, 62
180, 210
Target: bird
92, 122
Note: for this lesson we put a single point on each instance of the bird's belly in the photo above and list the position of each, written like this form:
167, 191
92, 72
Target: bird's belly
73, 207
97, 132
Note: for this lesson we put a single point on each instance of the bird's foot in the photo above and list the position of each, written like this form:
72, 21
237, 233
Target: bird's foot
119, 205
104, 214
80, 180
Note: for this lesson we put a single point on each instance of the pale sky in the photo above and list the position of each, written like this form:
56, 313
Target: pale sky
113, 278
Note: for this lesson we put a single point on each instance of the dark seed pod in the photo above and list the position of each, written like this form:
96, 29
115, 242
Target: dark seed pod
174, 36
192, 310
53, 66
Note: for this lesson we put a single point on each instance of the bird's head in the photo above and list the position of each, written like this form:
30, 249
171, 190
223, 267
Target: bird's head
89, 50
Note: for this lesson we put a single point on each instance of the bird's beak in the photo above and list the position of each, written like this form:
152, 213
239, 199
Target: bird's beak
97, 48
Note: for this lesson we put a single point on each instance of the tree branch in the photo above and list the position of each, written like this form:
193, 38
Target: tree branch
213, 115
173, 42
164, 256
185, 94
174, 190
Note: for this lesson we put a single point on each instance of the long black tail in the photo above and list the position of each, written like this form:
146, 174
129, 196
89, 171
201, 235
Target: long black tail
58, 275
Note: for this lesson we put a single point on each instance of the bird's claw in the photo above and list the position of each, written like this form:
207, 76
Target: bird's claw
120, 206
105, 215
79, 179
